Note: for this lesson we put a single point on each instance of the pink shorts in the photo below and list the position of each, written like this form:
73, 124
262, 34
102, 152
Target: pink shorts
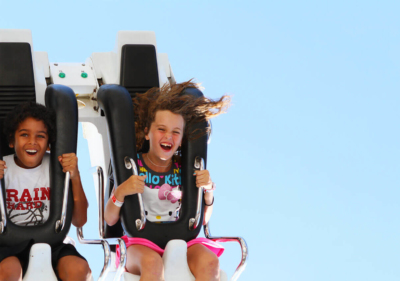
213, 246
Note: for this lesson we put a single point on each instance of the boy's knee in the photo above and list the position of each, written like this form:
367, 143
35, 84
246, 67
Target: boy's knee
81, 270
10, 269
75, 269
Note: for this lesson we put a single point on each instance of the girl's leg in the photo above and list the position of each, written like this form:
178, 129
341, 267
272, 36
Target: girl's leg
10, 269
73, 268
145, 262
203, 263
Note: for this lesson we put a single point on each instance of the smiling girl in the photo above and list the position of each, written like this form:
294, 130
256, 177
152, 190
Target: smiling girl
161, 118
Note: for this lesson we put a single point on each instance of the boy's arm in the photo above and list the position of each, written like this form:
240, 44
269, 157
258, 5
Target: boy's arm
2, 167
69, 162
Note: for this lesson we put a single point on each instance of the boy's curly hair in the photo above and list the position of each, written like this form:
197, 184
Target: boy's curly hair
193, 109
29, 109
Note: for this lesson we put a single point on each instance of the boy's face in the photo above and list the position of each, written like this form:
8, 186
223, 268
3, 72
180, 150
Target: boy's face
30, 143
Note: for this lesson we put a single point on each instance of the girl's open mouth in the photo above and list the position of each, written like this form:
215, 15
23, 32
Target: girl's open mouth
166, 146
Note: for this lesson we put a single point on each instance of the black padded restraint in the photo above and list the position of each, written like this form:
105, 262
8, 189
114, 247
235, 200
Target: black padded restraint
117, 105
62, 100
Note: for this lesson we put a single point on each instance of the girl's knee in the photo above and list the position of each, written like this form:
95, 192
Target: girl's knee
203, 264
153, 261
211, 264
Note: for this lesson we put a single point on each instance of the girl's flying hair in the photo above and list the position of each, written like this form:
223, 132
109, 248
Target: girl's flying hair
193, 109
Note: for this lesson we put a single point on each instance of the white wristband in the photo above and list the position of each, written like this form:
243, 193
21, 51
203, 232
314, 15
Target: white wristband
116, 202
212, 189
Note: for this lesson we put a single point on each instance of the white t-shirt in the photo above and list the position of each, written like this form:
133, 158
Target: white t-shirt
27, 192
161, 196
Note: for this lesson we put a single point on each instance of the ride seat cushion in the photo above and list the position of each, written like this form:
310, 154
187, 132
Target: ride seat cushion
22, 250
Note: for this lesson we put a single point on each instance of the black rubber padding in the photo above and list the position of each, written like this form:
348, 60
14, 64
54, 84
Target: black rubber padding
62, 100
16, 81
139, 71
117, 105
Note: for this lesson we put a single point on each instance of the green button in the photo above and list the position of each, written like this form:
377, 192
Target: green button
84, 75
61, 75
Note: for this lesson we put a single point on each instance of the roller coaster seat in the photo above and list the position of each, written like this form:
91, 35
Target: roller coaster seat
20, 82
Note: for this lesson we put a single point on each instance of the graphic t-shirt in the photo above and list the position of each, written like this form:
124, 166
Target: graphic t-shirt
27, 192
161, 196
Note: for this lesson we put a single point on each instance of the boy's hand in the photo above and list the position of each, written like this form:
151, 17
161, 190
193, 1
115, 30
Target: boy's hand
69, 163
133, 185
203, 179
2, 167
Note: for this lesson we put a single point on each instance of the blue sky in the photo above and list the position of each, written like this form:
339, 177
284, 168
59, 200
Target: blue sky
306, 160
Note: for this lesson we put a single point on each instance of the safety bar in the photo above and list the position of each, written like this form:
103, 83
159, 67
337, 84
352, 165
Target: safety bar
107, 253
105, 242
140, 223
106, 248
61, 223
243, 246
100, 177
194, 222
3, 222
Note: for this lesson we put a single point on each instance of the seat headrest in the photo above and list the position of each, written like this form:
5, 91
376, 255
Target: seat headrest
139, 71
17, 83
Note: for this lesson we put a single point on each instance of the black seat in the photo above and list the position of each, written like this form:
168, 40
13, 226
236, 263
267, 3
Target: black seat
116, 103
17, 85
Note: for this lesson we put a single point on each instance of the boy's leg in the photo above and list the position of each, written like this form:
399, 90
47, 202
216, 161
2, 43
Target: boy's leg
73, 268
69, 264
203, 263
145, 262
10, 269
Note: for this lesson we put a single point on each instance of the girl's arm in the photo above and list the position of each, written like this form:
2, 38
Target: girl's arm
203, 179
69, 163
209, 204
133, 185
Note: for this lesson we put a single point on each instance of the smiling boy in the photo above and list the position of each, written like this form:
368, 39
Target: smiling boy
30, 129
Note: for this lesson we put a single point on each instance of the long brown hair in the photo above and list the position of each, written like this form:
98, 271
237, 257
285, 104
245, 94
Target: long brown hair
193, 109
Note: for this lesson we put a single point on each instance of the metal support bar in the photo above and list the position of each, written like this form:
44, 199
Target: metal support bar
105, 242
3, 222
106, 248
140, 223
100, 176
61, 223
194, 222
122, 259
243, 246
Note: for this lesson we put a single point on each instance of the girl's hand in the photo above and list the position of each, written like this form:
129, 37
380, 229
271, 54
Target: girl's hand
2, 167
133, 185
203, 179
69, 163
